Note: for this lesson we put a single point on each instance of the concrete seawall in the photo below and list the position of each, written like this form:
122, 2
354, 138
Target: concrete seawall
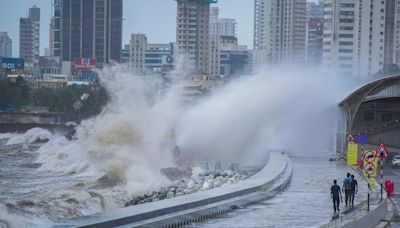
197, 207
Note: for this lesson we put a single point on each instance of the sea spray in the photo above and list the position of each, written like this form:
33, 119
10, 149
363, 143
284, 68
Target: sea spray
34, 135
119, 154
289, 109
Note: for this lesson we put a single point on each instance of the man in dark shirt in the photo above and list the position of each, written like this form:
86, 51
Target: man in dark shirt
354, 189
335, 194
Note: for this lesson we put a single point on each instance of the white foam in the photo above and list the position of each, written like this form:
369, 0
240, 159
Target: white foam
33, 135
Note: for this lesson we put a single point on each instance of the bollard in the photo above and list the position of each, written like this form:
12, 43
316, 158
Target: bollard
369, 188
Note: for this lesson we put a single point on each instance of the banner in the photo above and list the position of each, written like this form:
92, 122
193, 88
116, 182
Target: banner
13, 63
352, 153
85, 63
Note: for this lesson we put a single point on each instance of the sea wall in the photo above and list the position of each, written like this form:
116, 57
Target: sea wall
196, 207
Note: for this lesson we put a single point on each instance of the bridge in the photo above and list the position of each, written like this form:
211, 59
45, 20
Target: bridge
372, 110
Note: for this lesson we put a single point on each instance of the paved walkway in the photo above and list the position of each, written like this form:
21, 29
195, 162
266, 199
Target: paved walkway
305, 203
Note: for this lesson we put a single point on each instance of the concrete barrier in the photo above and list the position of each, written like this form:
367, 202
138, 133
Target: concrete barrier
197, 207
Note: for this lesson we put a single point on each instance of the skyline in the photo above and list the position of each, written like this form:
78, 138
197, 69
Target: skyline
135, 13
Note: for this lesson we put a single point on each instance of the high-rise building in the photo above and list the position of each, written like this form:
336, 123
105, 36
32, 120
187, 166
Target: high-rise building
354, 35
138, 45
159, 58
314, 32
192, 30
221, 26
314, 39
146, 58
5, 45
279, 30
390, 31
227, 58
29, 37
396, 34
314, 10
87, 29
125, 53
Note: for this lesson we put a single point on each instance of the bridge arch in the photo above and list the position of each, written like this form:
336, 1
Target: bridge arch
373, 110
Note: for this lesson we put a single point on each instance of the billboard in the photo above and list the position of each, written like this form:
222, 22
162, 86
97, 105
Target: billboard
13, 63
85, 63
49, 62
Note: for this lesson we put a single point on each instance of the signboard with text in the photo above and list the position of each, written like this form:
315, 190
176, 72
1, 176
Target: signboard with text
13, 63
352, 153
84, 63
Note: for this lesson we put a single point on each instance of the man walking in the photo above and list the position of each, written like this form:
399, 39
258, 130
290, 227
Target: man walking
335, 194
354, 189
347, 188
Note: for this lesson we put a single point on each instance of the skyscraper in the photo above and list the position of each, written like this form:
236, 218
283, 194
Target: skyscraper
315, 9
5, 45
192, 29
29, 37
354, 36
390, 31
221, 26
314, 39
279, 30
87, 29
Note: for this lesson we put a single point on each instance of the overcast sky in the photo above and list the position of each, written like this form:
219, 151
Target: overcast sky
155, 18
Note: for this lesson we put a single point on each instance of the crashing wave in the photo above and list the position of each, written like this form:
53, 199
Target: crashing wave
34, 135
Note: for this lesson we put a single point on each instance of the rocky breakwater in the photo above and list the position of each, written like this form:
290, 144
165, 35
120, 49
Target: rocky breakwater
194, 180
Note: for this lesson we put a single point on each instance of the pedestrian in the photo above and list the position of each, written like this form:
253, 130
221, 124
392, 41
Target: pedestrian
354, 189
347, 188
335, 194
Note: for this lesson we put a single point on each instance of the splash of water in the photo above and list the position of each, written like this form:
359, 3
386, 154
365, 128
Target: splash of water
294, 110
132, 139
34, 135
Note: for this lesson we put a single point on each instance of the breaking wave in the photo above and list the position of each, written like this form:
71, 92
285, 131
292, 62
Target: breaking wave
119, 153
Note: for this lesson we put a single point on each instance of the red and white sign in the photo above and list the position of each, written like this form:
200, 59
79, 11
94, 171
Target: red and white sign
382, 151
85, 63
369, 156
369, 169
350, 138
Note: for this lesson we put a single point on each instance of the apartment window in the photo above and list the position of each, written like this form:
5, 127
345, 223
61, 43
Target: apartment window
347, 5
345, 50
346, 20
346, 43
347, 13
345, 35
347, 28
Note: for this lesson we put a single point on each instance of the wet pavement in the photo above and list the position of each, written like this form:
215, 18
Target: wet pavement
305, 202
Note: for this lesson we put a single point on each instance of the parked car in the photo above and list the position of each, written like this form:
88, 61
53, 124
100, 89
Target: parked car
396, 160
